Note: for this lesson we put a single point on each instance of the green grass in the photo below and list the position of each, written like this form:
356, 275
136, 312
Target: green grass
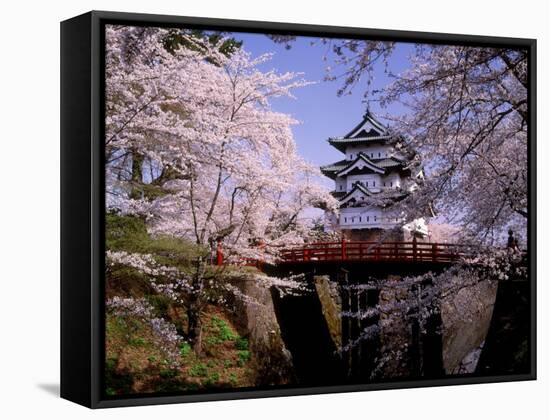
244, 356
137, 341
198, 370
211, 380
223, 330
241, 343
185, 349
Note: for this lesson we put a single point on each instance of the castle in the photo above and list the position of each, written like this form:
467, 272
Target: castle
378, 170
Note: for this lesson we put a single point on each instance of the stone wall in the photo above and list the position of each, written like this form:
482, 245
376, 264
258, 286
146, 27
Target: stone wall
466, 317
273, 360
331, 306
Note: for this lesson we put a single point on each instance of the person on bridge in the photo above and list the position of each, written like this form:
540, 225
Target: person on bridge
512, 241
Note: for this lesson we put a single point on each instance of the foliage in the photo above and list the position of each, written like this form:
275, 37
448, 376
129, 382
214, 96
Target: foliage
185, 349
134, 314
129, 233
244, 356
178, 38
224, 332
241, 343
198, 369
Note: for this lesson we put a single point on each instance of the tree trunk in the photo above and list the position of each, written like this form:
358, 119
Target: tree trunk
194, 332
194, 308
137, 175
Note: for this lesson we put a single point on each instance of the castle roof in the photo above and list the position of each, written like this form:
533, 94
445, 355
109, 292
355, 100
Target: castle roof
369, 130
357, 187
363, 163
332, 169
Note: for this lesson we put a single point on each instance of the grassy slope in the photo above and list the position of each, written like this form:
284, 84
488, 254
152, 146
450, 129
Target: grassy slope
133, 363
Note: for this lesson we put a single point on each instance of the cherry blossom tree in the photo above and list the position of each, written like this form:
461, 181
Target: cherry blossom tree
466, 114
194, 146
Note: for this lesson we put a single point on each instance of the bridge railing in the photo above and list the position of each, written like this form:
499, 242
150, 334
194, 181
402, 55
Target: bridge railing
357, 251
373, 251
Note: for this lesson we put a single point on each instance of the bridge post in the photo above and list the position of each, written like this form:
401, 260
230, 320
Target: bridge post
343, 249
219, 253
343, 285
260, 262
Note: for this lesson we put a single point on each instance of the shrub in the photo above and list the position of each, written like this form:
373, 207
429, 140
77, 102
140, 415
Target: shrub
137, 341
241, 343
244, 356
185, 349
212, 379
224, 331
168, 373
198, 370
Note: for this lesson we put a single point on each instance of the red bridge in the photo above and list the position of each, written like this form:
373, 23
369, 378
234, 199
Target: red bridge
373, 251
362, 251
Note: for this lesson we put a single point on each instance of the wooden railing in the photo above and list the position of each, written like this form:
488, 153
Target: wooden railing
351, 251
372, 251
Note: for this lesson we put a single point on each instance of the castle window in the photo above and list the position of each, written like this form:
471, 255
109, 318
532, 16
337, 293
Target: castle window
345, 219
375, 218
379, 154
341, 187
359, 218
391, 184
367, 183
367, 218
353, 220
374, 183
372, 155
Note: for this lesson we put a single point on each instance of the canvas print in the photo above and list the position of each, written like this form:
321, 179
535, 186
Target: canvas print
290, 211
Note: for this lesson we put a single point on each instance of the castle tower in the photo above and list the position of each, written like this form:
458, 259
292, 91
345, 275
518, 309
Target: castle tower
378, 170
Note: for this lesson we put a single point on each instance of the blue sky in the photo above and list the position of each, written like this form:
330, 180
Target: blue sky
321, 112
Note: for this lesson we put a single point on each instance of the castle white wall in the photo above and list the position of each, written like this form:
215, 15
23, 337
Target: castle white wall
366, 217
372, 181
392, 180
375, 151
340, 184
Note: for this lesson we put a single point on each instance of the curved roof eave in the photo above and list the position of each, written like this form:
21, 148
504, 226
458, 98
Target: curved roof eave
364, 158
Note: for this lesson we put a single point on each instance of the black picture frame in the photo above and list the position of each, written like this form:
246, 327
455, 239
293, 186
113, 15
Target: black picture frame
83, 203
